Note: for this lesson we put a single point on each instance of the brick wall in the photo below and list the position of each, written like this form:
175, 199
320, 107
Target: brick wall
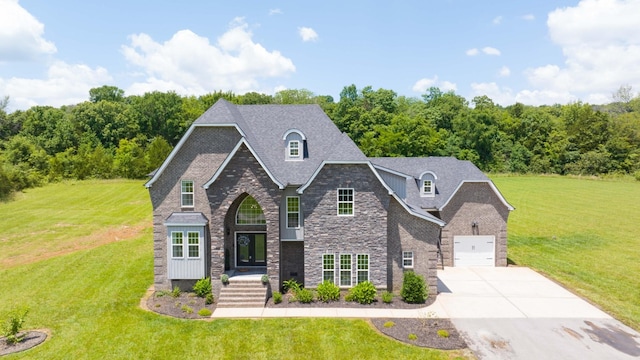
409, 233
363, 233
475, 202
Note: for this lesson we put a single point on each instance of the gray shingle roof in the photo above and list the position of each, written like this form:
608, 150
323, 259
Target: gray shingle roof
265, 125
450, 173
186, 218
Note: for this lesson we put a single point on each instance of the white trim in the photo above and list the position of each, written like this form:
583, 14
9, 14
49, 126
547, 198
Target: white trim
293, 131
177, 148
181, 245
431, 193
435, 177
394, 172
294, 157
199, 245
412, 260
353, 202
291, 212
334, 267
491, 184
231, 155
302, 188
193, 193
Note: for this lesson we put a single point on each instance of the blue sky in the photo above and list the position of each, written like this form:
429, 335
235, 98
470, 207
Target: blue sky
534, 52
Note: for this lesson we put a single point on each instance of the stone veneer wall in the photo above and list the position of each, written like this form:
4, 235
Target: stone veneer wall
243, 175
196, 160
292, 260
363, 233
410, 233
475, 202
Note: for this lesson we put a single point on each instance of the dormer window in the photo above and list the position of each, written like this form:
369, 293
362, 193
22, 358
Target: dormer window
294, 149
295, 145
427, 184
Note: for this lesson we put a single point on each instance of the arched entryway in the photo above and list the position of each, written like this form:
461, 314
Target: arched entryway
246, 244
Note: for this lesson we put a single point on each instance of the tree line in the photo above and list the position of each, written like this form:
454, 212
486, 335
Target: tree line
113, 135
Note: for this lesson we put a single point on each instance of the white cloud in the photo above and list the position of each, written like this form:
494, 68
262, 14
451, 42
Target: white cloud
307, 34
472, 52
275, 12
499, 95
21, 34
488, 50
497, 20
188, 63
600, 44
528, 17
65, 84
423, 84
504, 71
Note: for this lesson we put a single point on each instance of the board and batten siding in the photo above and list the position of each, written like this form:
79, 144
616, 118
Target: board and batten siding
186, 268
290, 234
395, 182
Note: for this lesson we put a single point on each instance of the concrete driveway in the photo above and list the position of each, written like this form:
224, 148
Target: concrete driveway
516, 313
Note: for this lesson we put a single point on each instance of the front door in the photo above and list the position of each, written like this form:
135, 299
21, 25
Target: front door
251, 249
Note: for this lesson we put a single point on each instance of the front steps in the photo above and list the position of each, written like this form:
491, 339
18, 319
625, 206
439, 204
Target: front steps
243, 292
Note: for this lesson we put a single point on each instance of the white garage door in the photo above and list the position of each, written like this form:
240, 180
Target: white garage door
474, 250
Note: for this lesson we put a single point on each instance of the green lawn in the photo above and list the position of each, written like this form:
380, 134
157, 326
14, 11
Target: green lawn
88, 296
582, 232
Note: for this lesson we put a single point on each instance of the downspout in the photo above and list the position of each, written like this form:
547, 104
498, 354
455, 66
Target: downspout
440, 249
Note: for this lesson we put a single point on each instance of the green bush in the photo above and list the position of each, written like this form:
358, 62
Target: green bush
277, 297
264, 279
202, 287
328, 291
224, 278
363, 293
414, 290
443, 333
413, 336
387, 297
204, 312
389, 324
292, 285
14, 324
636, 175
175, 292
208, 299
187, 309
303, 295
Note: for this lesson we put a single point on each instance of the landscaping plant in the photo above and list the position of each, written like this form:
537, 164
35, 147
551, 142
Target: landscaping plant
14, 324
363, 293
414, 290
328, 291
202, 287
387, 297
277, 297
292, 285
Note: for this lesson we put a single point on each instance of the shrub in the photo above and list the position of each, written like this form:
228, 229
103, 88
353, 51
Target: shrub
162, 293
387, 297
443, 333
328, 291
186, 309
208, 299
265, 279
291, 284
303, 295
204, 312
277, 297
389, 324
224, 278
413, 336
637, 175
363, 293
14, 324
414, 290
175, 292
202, 287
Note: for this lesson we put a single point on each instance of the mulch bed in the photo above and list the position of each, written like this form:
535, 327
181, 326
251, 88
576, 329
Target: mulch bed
32, 339
425, 331
185, 306
396, 303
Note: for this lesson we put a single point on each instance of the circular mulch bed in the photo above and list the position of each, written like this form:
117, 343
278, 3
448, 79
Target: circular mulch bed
422, 332
33, 338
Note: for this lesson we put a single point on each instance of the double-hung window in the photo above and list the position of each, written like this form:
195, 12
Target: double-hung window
294, 149
345, 269
193, 243
328, 267
186, 193
407, 259
177, 242
345, 202
427, 187
293, 212
362, 267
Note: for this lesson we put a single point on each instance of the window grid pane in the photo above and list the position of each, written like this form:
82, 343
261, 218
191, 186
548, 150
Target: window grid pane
345, 270
294, 148
363, 267
176, 244
193, 239
293, 212
187, 193
407, 259
328, 266
250, 213
427, 187
345, 201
